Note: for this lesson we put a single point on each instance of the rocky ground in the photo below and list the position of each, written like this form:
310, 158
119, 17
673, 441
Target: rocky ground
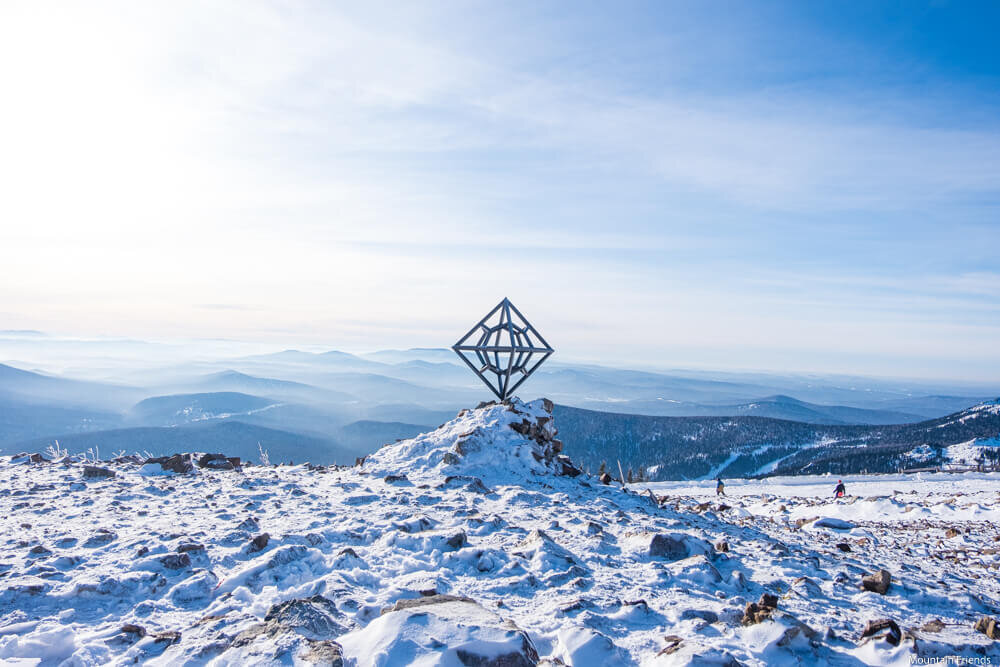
476, 544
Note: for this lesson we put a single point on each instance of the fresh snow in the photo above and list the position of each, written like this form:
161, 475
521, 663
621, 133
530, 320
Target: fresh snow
967, 453
714, 472
463, 546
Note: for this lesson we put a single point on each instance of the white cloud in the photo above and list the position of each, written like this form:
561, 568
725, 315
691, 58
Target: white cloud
321, 166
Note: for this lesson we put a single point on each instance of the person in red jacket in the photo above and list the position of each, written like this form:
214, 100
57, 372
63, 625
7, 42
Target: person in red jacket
840, 491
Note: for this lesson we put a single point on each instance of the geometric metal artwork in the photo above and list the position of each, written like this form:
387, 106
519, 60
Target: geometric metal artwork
503, 349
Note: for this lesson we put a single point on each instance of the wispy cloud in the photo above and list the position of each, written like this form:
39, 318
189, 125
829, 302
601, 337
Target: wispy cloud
166, 161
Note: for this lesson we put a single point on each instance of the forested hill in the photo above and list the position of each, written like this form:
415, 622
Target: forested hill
694, 447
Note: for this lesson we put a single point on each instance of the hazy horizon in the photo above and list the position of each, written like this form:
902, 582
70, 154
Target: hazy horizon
55, 353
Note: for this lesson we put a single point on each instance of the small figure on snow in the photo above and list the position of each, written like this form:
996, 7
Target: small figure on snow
840, 491
720, 488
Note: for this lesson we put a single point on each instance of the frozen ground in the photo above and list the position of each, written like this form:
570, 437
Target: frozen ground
167, 568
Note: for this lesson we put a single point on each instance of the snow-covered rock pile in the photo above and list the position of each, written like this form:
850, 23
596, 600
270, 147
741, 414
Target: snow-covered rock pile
476, 544
497, 442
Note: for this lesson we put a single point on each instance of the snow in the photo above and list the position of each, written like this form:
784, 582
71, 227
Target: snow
196, 414
717, 470
536, 563
397, 637
976, 411
885, 498
968, 452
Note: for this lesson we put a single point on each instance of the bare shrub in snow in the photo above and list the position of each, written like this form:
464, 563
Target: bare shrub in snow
55, 452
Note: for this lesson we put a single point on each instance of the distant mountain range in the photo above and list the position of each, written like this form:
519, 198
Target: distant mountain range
706, 447
338, 406
777, 407
34, 387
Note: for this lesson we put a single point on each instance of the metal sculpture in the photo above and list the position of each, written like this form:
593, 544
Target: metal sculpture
504, 349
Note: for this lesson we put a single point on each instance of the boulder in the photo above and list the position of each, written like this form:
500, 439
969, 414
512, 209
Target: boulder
467, 482
884, 628
673, 643
578, 645
96, 472
567, 469
410, 603
523, 427
676, 546
259, 543
196, 588
762, 610
547, 557
178, 463
175, 561
169, 637
295, 631
100, 538
215, 462
830, 522
441, 629
988, 626
706, 615
877, 582
605, 478
933, 625
456, 540
314, 617
795, 630
249, 524
325, 652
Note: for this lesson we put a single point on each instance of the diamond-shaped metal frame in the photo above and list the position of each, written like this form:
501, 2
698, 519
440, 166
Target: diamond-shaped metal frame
504, 349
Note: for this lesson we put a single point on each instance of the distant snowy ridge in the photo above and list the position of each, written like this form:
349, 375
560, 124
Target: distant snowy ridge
698, 447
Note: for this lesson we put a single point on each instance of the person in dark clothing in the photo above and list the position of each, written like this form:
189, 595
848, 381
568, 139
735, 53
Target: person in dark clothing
840, 491
720, 488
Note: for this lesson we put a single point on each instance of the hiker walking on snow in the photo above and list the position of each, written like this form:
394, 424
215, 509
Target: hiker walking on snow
720, 488
840, 491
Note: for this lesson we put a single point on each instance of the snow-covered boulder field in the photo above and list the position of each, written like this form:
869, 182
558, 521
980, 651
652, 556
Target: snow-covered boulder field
479, 544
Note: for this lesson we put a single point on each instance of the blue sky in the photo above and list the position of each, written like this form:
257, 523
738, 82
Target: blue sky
788, 186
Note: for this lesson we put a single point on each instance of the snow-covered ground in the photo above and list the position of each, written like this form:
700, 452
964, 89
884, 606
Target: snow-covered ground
970, 496
473, 545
